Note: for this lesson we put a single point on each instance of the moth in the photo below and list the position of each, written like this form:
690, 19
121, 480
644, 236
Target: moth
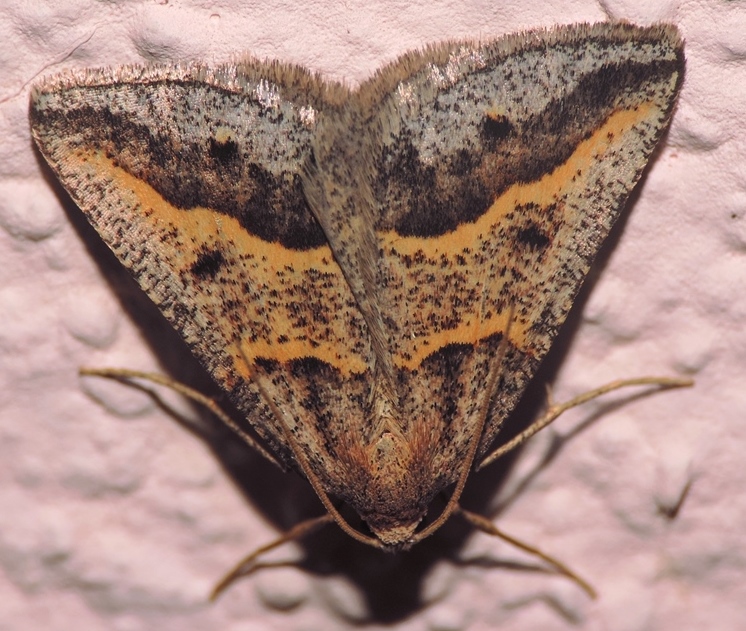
372, 275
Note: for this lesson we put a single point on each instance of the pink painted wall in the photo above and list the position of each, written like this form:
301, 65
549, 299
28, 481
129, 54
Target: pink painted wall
115, 516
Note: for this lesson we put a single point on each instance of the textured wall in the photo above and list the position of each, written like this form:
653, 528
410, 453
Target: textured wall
117, 512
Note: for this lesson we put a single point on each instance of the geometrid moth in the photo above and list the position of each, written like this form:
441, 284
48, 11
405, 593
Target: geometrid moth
371, 275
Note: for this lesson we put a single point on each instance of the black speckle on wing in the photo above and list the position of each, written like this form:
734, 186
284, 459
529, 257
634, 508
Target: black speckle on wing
495, 129
429, 188
533, 237
224, 151
208, 264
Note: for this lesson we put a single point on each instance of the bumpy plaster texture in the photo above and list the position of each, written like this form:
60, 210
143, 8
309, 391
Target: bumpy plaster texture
120, 512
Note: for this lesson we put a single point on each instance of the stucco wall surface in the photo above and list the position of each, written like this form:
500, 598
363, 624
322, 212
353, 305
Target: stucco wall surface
118, 511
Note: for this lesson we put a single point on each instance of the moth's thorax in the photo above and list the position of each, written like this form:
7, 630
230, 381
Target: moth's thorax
392, 478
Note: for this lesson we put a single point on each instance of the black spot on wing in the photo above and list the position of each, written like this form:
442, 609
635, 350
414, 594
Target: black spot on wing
495, 128
223, 151
533, 237
434, 196
208, 264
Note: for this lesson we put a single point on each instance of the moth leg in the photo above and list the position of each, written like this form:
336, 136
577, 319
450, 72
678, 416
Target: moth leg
189, 393
485, 525
247, 564
556, 409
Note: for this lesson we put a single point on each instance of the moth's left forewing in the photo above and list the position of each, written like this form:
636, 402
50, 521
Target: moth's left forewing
194, 178
502, 168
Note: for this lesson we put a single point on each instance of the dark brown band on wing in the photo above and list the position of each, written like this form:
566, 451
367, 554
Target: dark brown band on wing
428, 198
213, 170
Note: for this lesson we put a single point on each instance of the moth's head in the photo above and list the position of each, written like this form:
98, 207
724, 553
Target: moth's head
394, 530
